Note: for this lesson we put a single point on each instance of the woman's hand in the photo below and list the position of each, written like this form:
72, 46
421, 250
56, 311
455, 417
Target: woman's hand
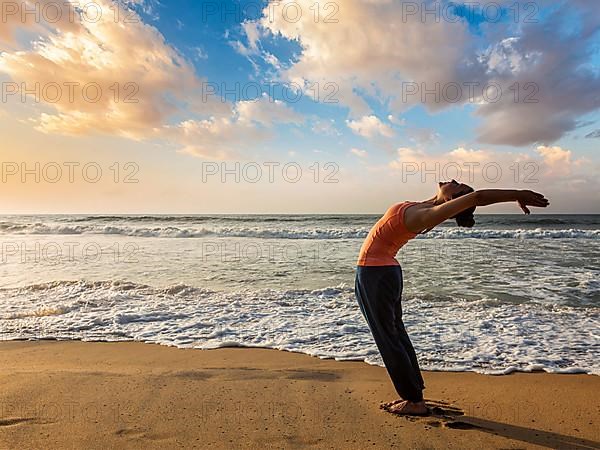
530, 198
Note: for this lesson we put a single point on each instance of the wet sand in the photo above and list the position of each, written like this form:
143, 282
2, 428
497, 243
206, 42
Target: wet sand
58, 395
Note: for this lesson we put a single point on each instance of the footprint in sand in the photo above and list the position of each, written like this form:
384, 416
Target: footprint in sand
139, 434
15, 421
129, 432
442, 409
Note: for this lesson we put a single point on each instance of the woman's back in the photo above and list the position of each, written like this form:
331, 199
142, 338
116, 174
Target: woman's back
386, 237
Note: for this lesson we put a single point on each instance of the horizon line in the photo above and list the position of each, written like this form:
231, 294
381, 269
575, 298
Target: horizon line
269, 214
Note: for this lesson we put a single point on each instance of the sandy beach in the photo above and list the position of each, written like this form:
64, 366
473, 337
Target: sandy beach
133, 395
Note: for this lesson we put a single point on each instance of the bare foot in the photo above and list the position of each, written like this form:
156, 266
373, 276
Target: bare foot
387, 405
408, 408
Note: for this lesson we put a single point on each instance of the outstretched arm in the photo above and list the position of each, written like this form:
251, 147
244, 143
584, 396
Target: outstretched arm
425, 218
524, 198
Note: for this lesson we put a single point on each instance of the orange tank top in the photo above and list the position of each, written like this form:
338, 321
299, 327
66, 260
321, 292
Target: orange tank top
386, 237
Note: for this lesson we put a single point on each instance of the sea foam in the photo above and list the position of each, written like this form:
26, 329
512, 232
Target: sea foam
261, 232
482, 335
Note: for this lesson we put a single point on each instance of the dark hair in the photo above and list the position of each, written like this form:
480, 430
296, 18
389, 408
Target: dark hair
465, 218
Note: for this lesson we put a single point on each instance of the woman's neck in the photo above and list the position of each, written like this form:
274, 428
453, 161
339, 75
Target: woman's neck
435, 200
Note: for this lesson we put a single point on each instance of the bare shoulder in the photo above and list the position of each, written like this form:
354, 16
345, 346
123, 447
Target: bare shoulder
413, 216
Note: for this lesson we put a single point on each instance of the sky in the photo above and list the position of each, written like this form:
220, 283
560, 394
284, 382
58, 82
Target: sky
345, 106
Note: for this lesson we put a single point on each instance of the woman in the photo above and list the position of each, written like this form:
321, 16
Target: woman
379, 276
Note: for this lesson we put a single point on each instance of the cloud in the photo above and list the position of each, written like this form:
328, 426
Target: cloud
392, 54
358, 152
122, 78
396, 120
370, 126
457, 163
545, 166
125, 78
326, 127
546, 80
396, 49
557, 160
223, 137
593, 135
30, 16
253, 34
422, 136
266, 111
216, 138
200, 53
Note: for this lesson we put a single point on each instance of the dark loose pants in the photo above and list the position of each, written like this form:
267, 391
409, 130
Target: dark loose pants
378, 291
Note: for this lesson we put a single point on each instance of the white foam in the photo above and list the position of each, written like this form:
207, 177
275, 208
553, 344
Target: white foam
271, 231
483, 335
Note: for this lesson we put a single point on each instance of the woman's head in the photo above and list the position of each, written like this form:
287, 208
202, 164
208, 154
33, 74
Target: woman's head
449, 190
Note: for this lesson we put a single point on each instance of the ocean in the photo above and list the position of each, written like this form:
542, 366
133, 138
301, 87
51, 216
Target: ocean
515, 293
